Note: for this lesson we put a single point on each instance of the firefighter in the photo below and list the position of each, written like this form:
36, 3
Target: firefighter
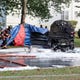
4, 35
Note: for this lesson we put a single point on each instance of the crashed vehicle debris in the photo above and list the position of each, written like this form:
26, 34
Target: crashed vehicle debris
61, 35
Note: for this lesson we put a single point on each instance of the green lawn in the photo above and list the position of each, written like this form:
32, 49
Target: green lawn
67, 70
77, 42
55, 71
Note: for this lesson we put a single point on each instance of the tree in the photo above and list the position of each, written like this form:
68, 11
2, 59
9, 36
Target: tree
38, 8
23, 15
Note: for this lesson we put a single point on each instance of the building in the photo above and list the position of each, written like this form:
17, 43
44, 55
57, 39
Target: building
73, 12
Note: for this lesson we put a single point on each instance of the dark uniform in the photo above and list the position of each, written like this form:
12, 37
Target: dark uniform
4, 35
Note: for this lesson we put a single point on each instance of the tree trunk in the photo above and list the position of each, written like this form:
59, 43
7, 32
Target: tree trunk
23, 12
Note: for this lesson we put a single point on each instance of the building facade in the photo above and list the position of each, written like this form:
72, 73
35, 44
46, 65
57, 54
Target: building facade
73, 12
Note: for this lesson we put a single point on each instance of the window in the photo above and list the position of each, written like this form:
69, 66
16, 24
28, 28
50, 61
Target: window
77, 13
66, 15
77, 6
77, 0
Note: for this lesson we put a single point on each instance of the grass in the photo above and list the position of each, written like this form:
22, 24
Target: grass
49, 78
57, 71
53, 71
77, 42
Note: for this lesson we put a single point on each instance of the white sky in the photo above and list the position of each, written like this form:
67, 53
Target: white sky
14, 20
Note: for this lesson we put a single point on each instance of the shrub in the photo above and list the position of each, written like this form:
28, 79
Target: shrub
74, 23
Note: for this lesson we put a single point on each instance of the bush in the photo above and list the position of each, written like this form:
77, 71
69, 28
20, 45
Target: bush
74, 23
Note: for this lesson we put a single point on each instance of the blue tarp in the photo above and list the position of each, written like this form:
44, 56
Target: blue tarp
28, 29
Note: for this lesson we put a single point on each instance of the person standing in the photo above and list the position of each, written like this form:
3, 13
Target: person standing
4, 36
